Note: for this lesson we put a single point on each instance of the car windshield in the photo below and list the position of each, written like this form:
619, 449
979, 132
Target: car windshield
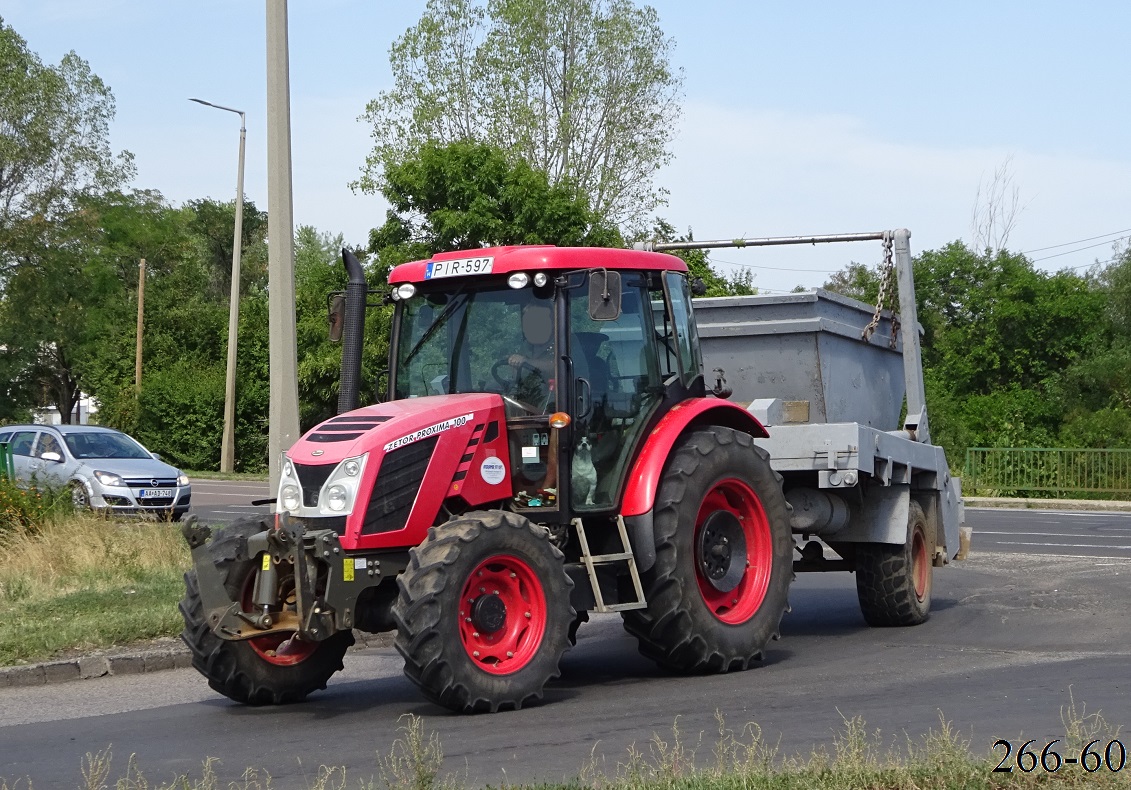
104, 445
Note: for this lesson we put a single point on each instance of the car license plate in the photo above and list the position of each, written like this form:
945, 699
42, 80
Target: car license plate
155, 493
459, 267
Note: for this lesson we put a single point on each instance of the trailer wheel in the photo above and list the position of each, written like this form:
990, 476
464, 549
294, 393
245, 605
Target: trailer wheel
484, 612
724, 552
253, 671
893, 583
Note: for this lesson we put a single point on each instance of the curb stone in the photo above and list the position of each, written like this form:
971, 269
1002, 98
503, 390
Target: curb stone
130, 662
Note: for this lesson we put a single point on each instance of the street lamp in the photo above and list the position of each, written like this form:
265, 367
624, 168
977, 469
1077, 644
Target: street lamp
228, 443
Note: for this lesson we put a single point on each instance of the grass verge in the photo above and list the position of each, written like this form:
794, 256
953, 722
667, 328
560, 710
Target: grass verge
855, 758
84, 582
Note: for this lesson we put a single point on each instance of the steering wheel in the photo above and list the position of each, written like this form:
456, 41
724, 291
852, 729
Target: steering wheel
512, 383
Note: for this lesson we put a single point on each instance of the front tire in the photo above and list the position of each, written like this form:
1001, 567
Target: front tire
484, 612
253, 671
893, 583
724, 552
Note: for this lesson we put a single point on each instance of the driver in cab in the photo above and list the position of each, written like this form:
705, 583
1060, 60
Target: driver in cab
534, 361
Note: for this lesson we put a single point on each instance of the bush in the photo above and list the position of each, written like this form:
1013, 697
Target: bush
27, 509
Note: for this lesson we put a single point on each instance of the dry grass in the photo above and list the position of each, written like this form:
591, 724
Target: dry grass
84, 582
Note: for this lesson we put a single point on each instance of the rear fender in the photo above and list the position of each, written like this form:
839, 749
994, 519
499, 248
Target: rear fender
640, 489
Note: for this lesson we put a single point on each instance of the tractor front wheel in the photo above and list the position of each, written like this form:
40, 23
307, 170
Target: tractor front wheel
724, 557
483, 615
266, 670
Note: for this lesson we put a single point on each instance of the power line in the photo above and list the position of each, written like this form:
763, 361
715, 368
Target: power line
1078, 241
1080, 249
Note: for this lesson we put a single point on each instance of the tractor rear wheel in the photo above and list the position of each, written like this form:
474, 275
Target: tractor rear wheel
263, 670
483, 615
724, 557
893, 583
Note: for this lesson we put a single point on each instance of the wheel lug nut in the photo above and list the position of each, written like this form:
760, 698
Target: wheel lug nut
528, 614
514, 575
475, 634
510, 654
476, 654
482, 589
467, 619
496, 592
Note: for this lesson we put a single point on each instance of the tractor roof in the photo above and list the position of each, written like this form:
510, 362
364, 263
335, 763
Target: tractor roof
504, 260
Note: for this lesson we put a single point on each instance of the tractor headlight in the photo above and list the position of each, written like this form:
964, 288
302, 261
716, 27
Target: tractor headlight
290, 489
337, 497
339, 493
290, 496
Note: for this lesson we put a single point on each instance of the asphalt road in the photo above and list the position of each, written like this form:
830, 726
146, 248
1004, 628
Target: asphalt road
223, 501
1080, 533
1013, 633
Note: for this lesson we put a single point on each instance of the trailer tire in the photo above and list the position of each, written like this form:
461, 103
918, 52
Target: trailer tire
893, 582
713, 607
246, 671
483, 615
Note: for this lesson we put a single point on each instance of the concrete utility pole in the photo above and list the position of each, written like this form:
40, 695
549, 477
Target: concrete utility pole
228, 442
283, 348
140, 324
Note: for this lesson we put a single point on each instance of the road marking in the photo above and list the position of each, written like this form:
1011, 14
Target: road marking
1061, 545
1043, 534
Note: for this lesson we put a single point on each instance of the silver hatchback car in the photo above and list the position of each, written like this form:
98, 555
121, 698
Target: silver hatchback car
105, 469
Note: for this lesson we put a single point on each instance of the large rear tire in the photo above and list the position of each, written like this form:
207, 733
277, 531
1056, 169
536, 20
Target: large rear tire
483, 615
724, 557
252, 671
893, 583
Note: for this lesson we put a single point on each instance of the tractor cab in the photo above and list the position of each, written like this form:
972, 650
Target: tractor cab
582, 345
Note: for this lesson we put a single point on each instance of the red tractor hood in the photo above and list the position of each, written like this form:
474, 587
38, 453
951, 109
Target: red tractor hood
419, 452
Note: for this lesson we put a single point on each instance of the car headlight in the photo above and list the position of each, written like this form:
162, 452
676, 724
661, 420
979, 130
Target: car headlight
108, 479
182, 480
290, 496
339, 493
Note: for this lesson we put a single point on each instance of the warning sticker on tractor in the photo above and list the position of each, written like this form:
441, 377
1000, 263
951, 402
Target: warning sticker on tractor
431, 430
347, 570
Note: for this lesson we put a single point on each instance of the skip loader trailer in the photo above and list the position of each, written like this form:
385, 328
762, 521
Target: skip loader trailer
550, 445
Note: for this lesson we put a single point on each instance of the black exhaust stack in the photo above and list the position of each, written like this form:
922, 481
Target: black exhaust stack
357, 292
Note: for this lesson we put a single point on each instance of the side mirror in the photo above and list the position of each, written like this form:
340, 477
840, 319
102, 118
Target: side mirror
52, 456
380, 392
337, 316
604, 295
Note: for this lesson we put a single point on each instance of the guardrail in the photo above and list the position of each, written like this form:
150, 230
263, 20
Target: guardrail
1005, 471
7, 469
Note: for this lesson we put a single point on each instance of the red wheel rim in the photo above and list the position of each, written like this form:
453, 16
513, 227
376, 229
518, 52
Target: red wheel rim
920, 565
267, 647
737, 605
502, 614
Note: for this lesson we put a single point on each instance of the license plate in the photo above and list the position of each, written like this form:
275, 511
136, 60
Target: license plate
459, 267
155, 493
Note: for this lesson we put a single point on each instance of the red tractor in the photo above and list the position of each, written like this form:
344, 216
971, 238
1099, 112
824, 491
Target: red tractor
549, 447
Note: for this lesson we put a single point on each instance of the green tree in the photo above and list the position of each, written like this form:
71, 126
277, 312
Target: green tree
999, 336
582, 90
54, 139
464, 195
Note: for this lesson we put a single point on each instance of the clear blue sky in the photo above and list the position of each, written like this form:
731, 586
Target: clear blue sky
799, 117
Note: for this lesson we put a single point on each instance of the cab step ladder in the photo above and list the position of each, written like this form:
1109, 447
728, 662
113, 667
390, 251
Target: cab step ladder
592, 561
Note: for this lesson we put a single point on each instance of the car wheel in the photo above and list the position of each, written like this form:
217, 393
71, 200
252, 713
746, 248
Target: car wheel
80, 497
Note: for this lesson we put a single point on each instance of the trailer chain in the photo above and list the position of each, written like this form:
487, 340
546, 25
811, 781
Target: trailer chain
885, 284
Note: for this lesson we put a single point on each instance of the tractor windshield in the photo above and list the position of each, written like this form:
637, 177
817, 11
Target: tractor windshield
479, 340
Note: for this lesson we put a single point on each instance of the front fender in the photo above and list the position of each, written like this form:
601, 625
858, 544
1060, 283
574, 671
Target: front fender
644, 479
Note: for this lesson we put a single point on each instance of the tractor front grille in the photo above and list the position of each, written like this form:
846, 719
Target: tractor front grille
398, 482
311, 477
